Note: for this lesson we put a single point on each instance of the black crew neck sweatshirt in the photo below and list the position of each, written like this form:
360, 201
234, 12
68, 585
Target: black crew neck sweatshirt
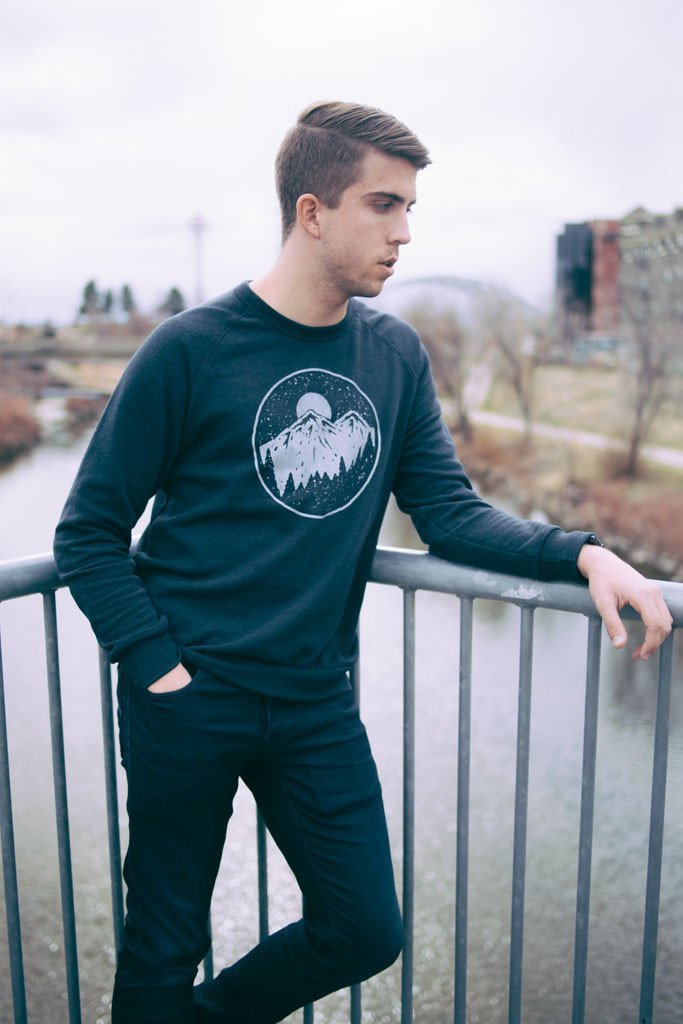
271, 449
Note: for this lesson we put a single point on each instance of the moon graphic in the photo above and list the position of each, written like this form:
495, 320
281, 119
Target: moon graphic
315, 402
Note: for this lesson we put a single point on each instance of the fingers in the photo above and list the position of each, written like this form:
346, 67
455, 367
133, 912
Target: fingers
614, 584
657, 620
616, 629
654, 637
648, 601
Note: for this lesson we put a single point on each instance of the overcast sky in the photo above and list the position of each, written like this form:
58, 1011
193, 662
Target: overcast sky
121, 119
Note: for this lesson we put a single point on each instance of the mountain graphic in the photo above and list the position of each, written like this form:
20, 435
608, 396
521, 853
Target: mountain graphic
315, 447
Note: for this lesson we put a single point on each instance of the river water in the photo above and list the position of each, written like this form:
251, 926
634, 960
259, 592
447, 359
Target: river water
31, 496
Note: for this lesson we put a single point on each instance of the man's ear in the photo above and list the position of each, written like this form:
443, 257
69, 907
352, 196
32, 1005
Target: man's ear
308, 207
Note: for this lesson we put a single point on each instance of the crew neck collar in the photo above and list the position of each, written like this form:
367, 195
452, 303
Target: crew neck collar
300, 332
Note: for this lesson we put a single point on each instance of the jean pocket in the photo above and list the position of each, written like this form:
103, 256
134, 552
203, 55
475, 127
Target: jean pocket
172, 695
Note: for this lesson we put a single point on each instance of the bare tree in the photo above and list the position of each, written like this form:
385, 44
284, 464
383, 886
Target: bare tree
507, 324
653, 331
445, 339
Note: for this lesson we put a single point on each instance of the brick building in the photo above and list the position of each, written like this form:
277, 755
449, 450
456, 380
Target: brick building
651, 248
604, 267
604, 311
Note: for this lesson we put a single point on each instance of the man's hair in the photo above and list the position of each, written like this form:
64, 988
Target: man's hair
323, 152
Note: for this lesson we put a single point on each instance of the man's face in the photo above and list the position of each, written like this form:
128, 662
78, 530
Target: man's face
359, 241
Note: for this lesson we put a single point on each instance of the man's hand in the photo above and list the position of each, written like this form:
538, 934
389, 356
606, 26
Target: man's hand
613, 584
173, 680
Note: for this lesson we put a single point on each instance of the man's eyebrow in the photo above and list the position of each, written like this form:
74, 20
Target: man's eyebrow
390, 195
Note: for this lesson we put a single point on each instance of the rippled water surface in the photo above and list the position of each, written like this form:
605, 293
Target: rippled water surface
31, 495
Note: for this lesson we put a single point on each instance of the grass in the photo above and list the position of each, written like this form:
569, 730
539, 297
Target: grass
592, 398
582, 489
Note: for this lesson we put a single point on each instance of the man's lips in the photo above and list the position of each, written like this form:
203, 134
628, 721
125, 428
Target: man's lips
388, 264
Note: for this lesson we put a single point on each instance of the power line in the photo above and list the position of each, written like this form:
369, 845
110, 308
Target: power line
198, 226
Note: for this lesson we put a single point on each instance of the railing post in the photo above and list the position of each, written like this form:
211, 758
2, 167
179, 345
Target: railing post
9, 868
262, 861
62, 809
521, 807
583, 885
654, 860
463, 810
410, 572
109, 744
408, 804
356, 1005
207, 962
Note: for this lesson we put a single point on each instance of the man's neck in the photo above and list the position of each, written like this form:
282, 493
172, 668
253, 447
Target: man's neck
293, 289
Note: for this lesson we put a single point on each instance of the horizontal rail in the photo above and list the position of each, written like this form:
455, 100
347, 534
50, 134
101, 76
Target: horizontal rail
416, 570
410, 570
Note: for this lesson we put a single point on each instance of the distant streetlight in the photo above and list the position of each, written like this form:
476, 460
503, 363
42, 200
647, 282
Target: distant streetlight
198, 226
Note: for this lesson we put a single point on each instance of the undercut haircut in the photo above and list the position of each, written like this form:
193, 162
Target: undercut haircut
323, 152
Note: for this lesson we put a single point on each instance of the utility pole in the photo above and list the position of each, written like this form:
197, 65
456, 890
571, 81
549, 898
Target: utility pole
198, 226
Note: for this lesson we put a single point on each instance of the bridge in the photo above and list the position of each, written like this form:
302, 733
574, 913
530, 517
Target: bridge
410, 572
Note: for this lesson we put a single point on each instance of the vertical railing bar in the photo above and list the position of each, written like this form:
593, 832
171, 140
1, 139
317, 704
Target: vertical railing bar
61, 808
207, 962
463, 810
355, 670
355, 1004
309, 1014
654, 859
356, 1007
109, 744
9, 869
583, 884
521, 807
408, 804
262, 860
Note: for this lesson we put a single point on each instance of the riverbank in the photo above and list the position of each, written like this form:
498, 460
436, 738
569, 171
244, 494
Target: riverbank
22, 382
567, 483
19, 428
641, 520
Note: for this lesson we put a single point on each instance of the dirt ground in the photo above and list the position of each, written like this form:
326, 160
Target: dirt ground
640, 519
593, 398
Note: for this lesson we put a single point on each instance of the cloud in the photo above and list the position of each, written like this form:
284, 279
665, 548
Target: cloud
119, 120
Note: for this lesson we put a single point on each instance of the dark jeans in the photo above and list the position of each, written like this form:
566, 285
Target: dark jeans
311, 771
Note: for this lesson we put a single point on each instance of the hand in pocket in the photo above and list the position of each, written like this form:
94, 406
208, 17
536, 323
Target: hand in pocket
176, 679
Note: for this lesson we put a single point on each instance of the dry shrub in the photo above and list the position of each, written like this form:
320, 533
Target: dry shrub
82, 410
493, 450
640, 520
611, 465
652, 519
19, 428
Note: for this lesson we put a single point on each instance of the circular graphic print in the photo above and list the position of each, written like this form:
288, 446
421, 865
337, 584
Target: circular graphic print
316, 442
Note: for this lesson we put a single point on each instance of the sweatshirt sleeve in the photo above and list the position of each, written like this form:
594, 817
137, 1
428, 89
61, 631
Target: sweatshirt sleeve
432, 487
131, 451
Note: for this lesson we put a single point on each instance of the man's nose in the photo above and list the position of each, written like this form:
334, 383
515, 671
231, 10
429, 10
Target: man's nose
401, 232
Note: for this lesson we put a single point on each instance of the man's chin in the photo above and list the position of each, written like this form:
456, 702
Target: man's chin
367, 289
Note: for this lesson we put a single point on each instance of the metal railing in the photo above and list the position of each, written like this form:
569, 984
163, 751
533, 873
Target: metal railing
411, 572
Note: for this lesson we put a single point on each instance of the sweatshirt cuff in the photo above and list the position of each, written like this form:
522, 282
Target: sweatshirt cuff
148, 660
557, 562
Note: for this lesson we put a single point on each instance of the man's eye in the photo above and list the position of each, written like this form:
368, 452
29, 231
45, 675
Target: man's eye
383, 207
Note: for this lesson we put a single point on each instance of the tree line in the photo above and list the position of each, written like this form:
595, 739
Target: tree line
512, 340
107, 304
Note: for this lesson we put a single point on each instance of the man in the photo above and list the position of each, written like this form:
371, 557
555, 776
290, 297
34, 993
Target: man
272, 424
